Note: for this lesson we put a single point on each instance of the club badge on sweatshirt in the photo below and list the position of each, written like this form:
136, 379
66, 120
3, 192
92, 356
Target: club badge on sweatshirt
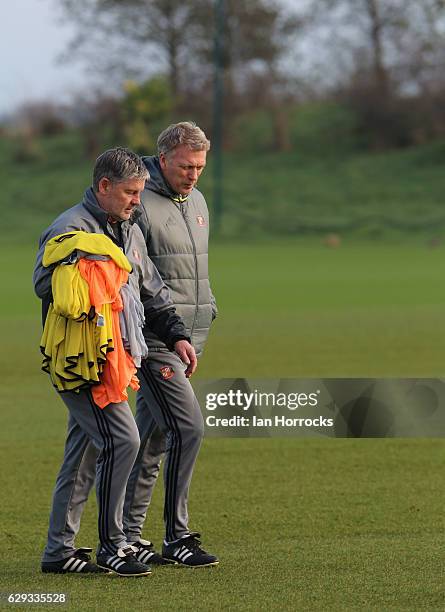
201, 221
167, 372
136, 255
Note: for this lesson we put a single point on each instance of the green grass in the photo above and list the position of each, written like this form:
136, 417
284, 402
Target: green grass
365, 194
296, 193
291, 309
299, 524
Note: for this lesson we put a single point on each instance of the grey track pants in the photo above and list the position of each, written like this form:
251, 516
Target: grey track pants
169, 418
101, 445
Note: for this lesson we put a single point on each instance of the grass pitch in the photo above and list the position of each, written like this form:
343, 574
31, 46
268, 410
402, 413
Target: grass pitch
298, 524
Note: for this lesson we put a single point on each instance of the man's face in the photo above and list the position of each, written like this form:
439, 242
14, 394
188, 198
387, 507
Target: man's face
119, 199
182, 168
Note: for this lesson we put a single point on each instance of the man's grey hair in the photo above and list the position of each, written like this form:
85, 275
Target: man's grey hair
183, 133
118, 165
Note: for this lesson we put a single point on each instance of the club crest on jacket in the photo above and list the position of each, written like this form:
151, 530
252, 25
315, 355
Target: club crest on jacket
167, 372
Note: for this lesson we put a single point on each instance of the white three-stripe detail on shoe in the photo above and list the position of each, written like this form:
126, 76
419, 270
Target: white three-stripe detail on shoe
68, 563
115, 562
182, 553
74, 565
145, 556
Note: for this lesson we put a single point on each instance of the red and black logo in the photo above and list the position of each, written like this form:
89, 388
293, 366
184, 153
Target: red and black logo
167, 372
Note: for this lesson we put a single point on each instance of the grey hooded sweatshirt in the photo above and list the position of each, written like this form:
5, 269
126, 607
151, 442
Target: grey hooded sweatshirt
177, 236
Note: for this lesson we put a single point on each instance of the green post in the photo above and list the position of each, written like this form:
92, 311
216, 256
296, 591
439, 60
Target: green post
218, 93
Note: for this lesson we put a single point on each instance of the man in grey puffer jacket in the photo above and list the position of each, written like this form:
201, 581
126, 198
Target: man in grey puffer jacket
175, 225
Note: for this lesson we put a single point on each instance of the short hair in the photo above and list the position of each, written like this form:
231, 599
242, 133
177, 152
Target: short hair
119, 164
183, 133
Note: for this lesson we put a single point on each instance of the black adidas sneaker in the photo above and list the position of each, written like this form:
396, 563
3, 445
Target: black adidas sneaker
124, 562
147, 554
79, 563
187, 551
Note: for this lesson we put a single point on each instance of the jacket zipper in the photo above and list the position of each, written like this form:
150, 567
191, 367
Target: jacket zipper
121, 239
182, 209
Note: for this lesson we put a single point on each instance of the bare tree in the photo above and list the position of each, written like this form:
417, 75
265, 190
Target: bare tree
131, 38
393, 41
138, 38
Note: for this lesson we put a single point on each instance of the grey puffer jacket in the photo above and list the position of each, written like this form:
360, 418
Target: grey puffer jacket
177, 236
160, 315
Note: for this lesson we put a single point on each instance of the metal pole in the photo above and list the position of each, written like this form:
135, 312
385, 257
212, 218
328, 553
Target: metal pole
218, 93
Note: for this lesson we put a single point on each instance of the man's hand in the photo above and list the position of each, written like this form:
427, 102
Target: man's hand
187, 355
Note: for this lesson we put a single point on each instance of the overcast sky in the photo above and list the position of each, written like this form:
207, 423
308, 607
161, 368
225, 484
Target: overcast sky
31, 38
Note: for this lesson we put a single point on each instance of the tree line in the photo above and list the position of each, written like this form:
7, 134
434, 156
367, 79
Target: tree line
152, 59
